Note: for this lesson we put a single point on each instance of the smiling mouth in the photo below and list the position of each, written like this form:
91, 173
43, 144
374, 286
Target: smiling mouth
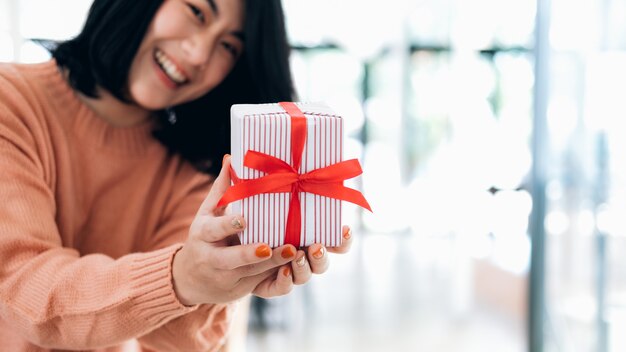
170, 69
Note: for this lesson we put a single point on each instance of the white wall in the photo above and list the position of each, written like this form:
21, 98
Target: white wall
21, 20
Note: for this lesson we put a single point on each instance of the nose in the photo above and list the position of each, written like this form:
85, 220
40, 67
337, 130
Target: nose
198, 48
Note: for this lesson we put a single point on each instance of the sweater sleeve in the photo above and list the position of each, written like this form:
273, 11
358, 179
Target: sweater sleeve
206, 328
203, 330
56, 298
52, 296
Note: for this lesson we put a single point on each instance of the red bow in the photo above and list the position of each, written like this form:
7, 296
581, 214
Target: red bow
282, 177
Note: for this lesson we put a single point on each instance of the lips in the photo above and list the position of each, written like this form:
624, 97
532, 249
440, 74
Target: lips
169, 68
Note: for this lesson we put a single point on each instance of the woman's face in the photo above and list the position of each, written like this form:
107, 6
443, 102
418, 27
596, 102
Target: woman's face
188, 49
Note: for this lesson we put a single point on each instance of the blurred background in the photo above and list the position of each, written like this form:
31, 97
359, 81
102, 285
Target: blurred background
493, 150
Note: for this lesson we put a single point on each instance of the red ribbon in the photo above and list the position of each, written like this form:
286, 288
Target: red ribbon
282, 177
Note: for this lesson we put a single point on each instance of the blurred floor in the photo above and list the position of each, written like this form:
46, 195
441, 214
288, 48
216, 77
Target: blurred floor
393, 292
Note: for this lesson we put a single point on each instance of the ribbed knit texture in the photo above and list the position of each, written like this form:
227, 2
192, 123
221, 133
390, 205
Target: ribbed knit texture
91, 216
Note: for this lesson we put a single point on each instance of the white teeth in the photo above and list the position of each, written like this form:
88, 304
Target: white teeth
170, 68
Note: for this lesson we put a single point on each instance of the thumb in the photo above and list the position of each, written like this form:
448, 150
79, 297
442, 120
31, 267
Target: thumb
218, 188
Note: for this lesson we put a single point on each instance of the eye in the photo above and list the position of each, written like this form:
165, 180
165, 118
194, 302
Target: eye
231, 49
197, 12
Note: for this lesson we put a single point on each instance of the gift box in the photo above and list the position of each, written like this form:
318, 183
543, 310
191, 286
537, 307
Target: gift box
287, 173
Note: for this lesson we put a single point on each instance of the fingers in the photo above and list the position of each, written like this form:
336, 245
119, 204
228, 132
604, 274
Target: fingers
253, 259
278, 285
216, 228
280, 256
220, 185
346, 242
230, 258
287, 267
301, 269
318, 259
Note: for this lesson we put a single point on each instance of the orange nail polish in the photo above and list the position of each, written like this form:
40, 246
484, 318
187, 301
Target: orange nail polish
318, 254
347, 234
287, 271
287, 253
263, 251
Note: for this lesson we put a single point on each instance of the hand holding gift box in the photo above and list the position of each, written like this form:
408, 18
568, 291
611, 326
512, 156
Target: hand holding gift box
288, 173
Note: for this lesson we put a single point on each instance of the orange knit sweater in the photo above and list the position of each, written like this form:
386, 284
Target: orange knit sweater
90, 218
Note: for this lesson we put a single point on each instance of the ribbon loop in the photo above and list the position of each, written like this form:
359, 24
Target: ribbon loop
265, 162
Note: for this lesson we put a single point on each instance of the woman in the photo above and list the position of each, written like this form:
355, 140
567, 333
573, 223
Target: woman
109, 230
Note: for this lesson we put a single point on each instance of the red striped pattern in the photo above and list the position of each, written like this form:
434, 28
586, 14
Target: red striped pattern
266, 214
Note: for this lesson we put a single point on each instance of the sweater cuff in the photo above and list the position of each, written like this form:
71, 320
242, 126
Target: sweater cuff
152, 288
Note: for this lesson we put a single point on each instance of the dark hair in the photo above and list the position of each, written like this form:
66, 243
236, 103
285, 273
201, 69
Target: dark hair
102, 53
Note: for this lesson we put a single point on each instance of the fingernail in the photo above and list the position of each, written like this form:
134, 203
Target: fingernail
319, 253
300, 261
347, 234
263, 251
287, 271
224, 158
287, 253
237, 223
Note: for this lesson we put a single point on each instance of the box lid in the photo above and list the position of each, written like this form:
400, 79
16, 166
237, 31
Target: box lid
308, 108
